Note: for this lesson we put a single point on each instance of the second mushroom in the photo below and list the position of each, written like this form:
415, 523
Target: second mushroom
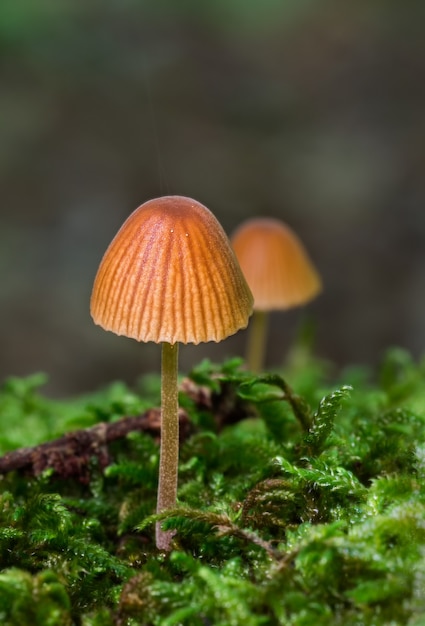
279, 273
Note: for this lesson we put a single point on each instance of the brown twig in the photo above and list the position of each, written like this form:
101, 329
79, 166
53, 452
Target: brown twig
71, 455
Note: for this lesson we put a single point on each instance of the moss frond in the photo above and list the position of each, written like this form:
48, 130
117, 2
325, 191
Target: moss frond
299, 503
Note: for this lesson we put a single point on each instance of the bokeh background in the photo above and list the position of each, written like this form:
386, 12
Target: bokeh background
310, 111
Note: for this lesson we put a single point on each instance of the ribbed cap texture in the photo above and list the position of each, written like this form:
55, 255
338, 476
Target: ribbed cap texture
170, 275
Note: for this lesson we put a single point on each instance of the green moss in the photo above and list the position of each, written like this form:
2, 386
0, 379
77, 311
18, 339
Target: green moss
301, 501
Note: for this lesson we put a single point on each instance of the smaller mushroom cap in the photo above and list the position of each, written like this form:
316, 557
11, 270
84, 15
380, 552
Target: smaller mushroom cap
170, 275
275, 263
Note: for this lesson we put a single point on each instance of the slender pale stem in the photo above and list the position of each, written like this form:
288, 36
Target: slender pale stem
257, 341
169, 454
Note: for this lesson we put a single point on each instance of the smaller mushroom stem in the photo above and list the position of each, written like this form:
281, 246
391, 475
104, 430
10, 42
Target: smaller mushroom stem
169, 452
257, 341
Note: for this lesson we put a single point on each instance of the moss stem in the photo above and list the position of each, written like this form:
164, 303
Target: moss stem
257, 341
169, 453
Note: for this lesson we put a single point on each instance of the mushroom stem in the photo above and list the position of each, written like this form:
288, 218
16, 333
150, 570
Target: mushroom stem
169, 453
257, 341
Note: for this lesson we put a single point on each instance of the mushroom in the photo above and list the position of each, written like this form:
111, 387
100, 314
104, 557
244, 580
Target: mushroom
170, 276
279, 273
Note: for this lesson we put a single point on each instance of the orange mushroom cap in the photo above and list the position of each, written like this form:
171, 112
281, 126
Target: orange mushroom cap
275, 263
170, 275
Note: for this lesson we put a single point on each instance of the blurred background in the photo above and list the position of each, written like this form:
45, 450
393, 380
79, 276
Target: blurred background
310, 111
